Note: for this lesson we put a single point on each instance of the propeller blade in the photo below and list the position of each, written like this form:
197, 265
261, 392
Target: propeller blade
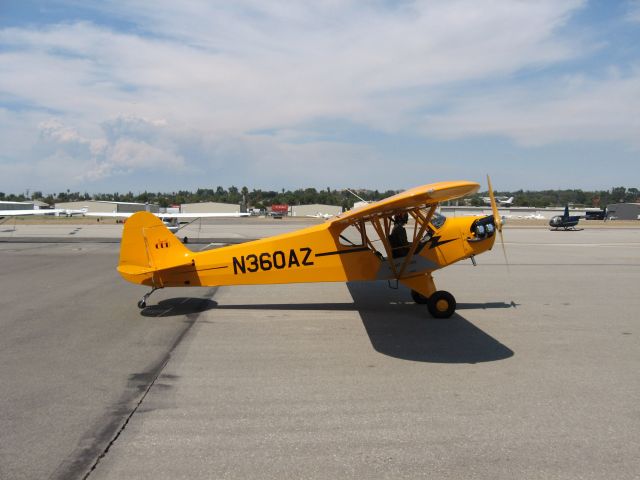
504, 251
497, 220
494, 207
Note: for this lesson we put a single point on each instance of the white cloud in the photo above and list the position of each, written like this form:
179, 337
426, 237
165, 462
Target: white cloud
124, 148
55, 130
279, 162
133, 155
575, 109
184, 89
258, 65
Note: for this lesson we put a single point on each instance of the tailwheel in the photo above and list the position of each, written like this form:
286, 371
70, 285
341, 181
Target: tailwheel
441, 304
142, 303
419, 298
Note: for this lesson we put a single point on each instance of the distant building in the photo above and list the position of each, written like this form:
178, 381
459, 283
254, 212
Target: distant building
210, 207
315, 209
99, 206
624, 211
132, 207
17, 205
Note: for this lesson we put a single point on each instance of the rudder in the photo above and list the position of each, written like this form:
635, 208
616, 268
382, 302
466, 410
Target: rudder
148, 246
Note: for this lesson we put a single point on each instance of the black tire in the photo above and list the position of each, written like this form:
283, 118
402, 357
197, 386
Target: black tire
419, 298
441, 304
142, 304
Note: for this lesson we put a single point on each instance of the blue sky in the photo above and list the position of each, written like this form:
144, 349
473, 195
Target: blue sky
164, 95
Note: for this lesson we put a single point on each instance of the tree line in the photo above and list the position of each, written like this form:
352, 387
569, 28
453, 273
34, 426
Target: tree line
578, 198
263, 199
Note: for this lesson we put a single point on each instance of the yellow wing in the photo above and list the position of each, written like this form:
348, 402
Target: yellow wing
425, 195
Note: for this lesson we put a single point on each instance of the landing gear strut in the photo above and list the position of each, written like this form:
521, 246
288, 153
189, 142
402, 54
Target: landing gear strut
419, 298
142, 303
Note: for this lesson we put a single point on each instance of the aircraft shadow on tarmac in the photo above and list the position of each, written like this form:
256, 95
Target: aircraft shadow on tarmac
172, 307
404, 330
396, 327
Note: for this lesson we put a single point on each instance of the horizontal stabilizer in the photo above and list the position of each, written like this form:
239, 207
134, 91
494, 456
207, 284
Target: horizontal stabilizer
135, 269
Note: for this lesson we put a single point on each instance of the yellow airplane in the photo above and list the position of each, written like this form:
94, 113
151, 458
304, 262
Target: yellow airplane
369, 243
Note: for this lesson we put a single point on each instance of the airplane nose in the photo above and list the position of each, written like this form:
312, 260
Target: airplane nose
483, 228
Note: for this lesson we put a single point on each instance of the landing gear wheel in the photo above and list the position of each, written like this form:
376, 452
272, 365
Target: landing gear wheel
419, 298
441, 304
142, 303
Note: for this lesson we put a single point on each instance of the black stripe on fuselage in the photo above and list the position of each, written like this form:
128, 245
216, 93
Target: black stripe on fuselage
340, 252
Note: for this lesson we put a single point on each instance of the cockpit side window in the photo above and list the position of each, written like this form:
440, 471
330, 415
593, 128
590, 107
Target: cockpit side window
351, 237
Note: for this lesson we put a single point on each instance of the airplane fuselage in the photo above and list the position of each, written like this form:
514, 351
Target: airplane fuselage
313, 254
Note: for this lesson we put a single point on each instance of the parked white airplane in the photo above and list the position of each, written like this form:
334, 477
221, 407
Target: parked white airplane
171, 220
23, 213
502, 201
70, 212
325, 216
169, 215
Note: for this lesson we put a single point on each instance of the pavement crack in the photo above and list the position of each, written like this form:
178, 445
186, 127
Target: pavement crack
97, 442
155, 371
132, 413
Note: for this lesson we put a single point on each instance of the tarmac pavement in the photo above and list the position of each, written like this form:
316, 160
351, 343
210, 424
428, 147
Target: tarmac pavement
534, 377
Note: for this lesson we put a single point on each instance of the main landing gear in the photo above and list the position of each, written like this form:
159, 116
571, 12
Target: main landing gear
142, 303
441, 304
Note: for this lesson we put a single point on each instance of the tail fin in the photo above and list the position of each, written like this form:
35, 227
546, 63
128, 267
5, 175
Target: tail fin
148, 246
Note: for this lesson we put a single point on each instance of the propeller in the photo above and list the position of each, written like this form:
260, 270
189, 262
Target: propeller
497, 220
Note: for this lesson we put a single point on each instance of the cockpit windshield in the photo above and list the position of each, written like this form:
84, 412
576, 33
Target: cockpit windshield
438, 220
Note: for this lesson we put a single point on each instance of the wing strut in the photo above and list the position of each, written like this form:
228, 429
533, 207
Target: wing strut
382, 226
419, 217
383, 234
416, 238
365, 238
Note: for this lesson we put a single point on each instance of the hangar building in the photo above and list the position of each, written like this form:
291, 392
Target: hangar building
210, 207
16, 205
108, 207
624, 211
315, 209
